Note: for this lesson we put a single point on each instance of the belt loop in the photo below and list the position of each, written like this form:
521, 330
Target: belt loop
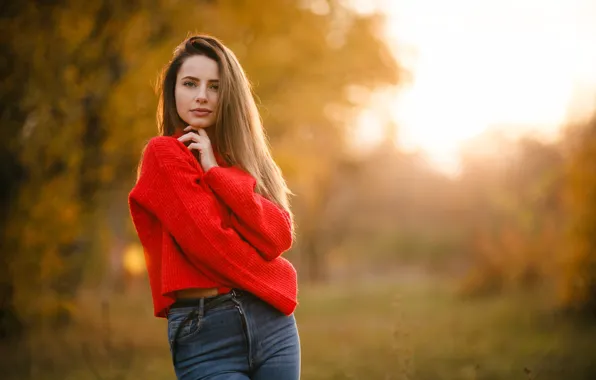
201, 307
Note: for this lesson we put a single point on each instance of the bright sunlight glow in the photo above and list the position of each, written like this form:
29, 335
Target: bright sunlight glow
511, 65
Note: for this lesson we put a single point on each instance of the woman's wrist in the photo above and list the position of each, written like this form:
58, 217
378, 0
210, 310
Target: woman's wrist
209, 167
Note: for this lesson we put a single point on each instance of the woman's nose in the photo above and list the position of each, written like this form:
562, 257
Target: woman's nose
201, 96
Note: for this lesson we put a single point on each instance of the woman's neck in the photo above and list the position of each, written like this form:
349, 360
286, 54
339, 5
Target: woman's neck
211, 134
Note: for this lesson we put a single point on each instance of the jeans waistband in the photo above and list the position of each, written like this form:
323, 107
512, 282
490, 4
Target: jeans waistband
208, 302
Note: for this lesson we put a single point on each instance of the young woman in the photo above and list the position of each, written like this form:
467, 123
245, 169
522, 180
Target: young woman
211, 209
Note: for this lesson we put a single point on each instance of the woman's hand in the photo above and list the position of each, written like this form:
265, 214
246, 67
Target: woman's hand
199, 141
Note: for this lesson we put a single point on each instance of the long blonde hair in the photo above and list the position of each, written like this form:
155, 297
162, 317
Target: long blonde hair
238, 133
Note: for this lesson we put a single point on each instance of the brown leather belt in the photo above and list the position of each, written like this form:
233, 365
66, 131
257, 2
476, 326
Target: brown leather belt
209, 302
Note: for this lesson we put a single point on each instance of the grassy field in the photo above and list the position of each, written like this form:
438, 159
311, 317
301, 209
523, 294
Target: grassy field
413, 328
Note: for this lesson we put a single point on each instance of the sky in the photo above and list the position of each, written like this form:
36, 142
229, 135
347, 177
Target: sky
518, 66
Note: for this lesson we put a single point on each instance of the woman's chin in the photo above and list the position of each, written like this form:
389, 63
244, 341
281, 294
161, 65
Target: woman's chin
199, 125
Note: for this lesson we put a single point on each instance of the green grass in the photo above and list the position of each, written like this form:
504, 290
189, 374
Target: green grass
421, 330
413, 328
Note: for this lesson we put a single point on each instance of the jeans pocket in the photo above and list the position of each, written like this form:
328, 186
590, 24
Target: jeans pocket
183, 324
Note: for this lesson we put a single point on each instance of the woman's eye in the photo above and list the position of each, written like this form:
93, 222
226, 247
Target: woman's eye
214, 87
189, 84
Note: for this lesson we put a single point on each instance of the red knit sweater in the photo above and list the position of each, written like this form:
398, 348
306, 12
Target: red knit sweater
208, 229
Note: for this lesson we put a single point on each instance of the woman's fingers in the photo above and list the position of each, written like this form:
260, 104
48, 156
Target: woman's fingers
195, 143
191, 136
196, 146
198, 139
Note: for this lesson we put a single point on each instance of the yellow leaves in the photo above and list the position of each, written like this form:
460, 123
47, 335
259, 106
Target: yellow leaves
134, 259
578, 280
75, 22
107, 174
51, 265
136, 34
527, 232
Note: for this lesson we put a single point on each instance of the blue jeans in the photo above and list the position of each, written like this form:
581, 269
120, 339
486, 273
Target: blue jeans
233, 336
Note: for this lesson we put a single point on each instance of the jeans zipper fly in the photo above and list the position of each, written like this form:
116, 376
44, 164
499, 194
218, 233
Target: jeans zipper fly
246, 335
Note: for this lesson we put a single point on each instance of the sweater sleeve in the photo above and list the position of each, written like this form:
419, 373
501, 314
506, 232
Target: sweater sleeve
265, 225
169, 187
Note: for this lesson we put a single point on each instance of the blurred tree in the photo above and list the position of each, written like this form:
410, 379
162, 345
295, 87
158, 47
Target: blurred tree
78, 106
11, 119
514, 213
578, 285
65, 61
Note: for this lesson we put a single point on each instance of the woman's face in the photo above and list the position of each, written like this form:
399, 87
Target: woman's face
197, 91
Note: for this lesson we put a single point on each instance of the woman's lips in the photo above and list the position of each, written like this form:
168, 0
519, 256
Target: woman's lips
200, 112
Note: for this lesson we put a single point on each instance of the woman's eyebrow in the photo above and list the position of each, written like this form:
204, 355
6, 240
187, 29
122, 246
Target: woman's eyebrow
198, 80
